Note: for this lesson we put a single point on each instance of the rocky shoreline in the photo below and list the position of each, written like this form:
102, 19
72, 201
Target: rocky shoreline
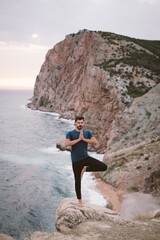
92, 222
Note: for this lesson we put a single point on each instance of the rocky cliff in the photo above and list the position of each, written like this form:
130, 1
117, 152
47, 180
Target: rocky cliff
134, 160
114, 81
93, 222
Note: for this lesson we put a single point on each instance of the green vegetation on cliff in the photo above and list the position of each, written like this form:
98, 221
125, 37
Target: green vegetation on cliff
133, 57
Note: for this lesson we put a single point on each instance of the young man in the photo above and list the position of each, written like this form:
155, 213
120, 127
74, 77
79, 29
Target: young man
78, 139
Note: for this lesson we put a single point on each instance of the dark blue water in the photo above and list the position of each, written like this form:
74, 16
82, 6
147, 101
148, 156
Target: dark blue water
34, 175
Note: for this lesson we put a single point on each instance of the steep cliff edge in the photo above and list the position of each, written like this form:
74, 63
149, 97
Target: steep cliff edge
114, 81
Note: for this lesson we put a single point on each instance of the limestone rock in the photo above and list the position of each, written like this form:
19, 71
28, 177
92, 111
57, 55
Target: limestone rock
51, 236
154, 214
69, 215
133, 168
134, 160
152, 182
93, 222
5, 237
61, 145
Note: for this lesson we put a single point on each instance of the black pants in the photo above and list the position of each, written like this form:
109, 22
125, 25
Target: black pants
91, 164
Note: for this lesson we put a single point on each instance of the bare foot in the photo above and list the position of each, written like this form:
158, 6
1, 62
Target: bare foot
80, 204
82, 172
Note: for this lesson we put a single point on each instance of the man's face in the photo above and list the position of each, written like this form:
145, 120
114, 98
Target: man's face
79, 124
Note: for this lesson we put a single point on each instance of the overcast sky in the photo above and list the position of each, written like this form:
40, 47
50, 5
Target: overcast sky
28, 28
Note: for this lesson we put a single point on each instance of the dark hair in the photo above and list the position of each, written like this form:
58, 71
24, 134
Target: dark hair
79, 118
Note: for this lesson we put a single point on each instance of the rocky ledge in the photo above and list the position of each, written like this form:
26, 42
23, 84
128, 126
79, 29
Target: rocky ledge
92, 222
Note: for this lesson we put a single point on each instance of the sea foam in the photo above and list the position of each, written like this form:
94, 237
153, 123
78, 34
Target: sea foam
90, 192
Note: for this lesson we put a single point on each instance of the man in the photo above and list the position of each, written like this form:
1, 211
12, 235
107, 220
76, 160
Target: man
78, 139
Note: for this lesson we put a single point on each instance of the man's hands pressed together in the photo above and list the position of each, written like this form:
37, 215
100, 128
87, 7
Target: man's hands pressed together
81, 137
91, 141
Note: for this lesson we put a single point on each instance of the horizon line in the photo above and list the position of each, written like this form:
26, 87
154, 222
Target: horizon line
16, 88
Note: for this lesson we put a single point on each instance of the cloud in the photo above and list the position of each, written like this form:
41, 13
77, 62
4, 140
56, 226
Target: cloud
53, 19
35, 36
29, 28
13, 46
20, 63
150, 1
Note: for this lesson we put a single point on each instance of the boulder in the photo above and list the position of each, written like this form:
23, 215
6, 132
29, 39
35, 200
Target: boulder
92, 222
5, 237
69, 215
61, 145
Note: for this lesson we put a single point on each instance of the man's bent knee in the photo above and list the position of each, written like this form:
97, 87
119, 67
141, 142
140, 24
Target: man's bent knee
104, 167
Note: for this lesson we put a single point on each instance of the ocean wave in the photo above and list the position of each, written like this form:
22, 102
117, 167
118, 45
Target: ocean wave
54, 114
89, 191
51, 150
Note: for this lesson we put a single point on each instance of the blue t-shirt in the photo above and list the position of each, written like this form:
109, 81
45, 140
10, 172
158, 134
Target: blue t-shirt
79, 150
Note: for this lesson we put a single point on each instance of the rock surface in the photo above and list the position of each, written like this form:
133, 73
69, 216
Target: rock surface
5, 237
93, 222
61, 145
134, 160
113, 81
69, 215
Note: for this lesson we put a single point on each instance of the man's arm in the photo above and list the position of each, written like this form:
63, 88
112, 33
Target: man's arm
92, 140
68, 142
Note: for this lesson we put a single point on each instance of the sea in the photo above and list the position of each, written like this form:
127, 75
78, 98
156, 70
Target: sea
35, 176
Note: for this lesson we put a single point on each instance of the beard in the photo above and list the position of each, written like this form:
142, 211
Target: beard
80, 127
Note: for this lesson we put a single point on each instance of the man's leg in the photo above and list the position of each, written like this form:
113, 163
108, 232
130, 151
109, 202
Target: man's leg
89, 164
94, 165
77, 169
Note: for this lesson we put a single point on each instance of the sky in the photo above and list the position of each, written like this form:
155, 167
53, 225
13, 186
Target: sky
29, 28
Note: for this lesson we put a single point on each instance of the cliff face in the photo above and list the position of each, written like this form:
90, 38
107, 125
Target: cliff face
70, 83
88, 73
113, 81
134, 160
